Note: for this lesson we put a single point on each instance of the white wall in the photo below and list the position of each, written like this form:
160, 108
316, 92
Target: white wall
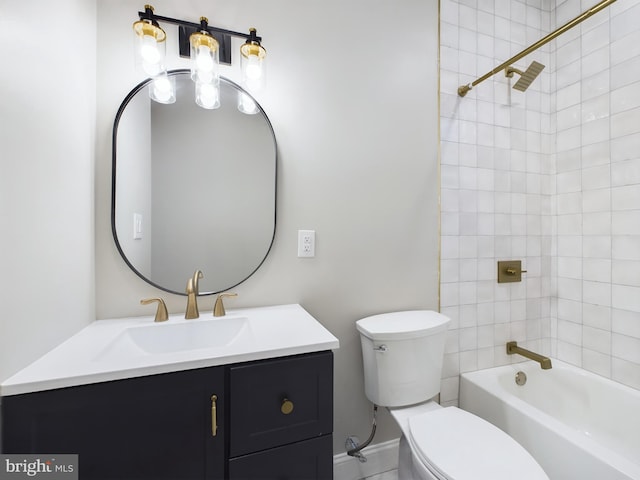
354, 111
46, 178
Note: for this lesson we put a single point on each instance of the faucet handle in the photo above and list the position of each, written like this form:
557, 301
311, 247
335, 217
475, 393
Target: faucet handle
161, 313
218, 308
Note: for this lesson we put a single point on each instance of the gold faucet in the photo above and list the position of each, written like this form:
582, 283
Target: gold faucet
512, 348
218, 308
192, 296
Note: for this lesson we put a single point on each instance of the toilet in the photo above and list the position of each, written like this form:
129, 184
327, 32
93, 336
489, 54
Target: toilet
403, 354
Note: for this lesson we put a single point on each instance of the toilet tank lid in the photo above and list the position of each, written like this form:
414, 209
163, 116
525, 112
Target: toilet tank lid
402, 325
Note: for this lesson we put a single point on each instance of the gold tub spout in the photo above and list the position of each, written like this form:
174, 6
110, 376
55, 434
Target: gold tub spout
512, 348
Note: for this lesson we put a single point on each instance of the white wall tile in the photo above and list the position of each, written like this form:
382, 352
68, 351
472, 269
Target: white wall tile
625, 247
626, 222
626, 348
596, 339
625, 322
551, 176
625, 297
626, 272
625, 48
625, 372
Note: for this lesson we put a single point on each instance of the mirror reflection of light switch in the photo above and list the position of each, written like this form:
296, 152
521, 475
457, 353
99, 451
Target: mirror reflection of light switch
137, 226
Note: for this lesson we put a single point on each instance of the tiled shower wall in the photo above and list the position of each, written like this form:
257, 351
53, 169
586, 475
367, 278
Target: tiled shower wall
598, 191
550, 176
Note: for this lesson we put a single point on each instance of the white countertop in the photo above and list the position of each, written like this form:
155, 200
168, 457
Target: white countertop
98, 353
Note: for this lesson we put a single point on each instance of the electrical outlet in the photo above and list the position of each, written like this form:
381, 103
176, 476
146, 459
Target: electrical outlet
306, 243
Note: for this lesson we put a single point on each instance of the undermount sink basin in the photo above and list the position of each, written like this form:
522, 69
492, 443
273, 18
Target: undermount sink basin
173, 337
188, 335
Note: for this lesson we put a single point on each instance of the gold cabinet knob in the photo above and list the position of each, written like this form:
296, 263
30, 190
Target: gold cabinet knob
287, 406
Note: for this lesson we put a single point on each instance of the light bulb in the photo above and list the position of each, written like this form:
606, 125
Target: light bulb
207, 95
204, 58
252, 65
246, 104
204, 62
253, 69
150, 47
161, 90
149, 50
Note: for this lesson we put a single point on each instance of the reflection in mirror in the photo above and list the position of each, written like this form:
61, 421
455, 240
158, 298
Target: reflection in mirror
193, 188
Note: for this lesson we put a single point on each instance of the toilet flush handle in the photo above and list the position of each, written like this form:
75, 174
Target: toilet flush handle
380, 348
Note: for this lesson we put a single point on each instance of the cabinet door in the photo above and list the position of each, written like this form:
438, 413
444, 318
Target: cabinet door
155, 427
306, 460
258, 391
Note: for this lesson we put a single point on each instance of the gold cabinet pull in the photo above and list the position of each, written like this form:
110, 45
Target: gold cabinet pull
287, 406
214, 416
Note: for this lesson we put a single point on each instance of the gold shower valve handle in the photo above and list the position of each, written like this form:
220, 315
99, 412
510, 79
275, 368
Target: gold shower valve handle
287, 406
513, 271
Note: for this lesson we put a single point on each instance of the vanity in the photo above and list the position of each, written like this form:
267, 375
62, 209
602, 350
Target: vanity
142, 400
245, 395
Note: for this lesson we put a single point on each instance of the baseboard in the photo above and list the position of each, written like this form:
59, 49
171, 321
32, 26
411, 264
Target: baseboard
381, 457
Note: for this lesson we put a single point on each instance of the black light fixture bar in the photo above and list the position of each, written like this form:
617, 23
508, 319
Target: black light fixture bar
223, 36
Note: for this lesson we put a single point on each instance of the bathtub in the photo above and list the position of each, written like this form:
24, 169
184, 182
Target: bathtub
576, 424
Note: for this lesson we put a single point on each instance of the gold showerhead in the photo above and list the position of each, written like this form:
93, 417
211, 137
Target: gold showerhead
526, 77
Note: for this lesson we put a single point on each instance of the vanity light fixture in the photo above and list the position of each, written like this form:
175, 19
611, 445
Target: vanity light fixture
207, 46
150, 44
204, 66
252, 56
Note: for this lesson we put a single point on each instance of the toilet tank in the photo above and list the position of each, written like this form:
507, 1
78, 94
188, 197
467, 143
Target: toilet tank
402, 354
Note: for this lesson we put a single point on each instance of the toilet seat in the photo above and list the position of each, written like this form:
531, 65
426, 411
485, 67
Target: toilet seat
456, 445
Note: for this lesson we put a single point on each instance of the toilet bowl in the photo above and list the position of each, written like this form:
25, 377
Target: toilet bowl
403, 354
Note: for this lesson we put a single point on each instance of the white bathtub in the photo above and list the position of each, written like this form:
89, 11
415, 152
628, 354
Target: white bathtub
576, 424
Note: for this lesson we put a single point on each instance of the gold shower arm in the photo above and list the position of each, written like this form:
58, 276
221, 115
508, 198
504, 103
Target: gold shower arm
463, 89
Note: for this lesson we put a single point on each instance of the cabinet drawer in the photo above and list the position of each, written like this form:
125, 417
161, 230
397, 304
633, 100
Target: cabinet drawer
263, 392
307, 460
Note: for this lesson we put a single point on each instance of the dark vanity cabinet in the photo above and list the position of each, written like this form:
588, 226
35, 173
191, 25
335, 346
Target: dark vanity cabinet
154, 427
268, 419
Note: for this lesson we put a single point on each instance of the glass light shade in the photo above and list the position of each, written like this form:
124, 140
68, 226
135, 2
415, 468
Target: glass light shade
246, 104
204, 58
252, 64
150, 47
208, 95
163, 88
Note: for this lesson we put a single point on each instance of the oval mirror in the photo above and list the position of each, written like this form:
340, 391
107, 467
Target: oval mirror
193, 188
